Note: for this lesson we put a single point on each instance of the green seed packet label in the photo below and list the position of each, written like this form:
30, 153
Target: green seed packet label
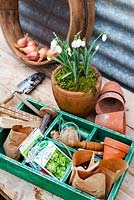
34, 137
52, 159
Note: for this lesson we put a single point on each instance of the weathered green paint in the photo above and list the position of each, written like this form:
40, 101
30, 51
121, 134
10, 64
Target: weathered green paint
90, 131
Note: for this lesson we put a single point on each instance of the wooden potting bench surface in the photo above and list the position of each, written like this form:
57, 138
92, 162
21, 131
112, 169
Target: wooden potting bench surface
12, 71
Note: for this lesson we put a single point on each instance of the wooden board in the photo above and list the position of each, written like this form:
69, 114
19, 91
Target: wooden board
11, 73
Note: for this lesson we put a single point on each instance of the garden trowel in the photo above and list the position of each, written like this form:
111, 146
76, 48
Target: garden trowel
26, 86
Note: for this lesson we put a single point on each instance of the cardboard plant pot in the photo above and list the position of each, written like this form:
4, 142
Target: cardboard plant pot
114, 149
76, 103
16, 136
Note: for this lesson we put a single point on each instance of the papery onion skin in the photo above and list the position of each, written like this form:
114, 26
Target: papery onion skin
51, 53
33, 56
22, 42
28, 49
31, 43
42, 53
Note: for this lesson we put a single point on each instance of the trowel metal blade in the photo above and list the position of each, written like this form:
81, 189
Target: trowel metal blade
27, 85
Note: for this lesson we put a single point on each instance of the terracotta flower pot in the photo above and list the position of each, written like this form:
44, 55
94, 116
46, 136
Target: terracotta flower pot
115, 121
76, 103
112, 86
110, 102
114, 149
111, 98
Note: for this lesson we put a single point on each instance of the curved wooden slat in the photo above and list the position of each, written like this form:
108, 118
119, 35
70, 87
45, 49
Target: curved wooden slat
81, 19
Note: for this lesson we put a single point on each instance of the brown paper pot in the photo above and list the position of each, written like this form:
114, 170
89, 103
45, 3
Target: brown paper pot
16, 136
115, 121
114, 149
89, 179
81, 157
94, 185
98, 178
113, 169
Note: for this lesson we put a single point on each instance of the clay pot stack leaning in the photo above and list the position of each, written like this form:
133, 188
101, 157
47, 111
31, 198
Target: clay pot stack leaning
110, 108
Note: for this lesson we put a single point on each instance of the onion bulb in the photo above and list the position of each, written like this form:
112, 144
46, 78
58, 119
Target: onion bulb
31, 43
42, 53
29, 49
22, 42
51, 53
33, 55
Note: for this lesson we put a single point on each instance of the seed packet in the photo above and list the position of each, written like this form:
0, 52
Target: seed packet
34, 137
53, 160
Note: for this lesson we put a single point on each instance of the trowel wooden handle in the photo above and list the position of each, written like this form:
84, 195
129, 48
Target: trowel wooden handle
28, 104
95, 146
7, 99
47, 118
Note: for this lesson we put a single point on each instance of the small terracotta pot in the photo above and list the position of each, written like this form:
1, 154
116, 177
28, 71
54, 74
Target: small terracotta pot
111, 98
115, 121
114, 149
110, 102
112, 86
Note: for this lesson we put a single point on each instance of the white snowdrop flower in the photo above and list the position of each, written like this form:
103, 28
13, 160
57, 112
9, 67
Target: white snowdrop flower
69, 51
78, 43
58, 49
48, 58
83, 44
104, 37
74, 44
97, 47
53, 44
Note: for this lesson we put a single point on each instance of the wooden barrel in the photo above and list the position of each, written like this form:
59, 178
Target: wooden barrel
81, 18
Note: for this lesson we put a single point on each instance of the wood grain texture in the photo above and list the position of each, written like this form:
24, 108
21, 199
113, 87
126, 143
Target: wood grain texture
81, 19
12, 71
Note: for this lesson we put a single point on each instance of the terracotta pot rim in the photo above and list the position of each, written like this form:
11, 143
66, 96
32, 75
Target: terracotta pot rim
112, 86
107, 95
116, 144
76, 94
113, 92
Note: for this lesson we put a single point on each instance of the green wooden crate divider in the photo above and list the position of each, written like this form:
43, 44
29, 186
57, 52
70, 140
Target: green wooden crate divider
89, 131
92, 133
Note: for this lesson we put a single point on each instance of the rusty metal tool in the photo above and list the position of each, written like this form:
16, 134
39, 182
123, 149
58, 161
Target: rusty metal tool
26, 86
48, 115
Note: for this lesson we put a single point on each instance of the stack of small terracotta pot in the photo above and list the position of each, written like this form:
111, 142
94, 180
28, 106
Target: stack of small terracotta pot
110, 108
